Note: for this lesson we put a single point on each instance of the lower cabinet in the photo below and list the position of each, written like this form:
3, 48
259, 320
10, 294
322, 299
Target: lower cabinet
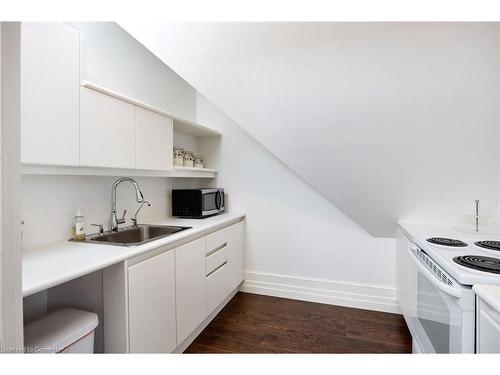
217, 287
235, 254
154, 302
487, 328
191, 299
151, 299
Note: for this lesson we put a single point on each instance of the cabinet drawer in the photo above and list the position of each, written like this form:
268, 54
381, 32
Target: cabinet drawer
216, 259
215, 240
217, 289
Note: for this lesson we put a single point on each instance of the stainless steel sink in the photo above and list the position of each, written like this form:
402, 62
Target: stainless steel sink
134, 236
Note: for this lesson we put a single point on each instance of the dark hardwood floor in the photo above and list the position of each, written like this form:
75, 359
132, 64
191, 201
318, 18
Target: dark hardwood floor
252, 323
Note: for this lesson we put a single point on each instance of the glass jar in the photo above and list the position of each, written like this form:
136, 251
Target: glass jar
198, 162
188, 158
178, 156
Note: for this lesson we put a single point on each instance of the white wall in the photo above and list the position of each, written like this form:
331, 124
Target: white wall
291, 228
386, 120
115, 60
1, 273
11, 329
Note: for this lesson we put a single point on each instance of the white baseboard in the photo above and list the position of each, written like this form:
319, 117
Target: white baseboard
330, 292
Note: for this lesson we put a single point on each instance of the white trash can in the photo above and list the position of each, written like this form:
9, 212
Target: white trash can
62, 331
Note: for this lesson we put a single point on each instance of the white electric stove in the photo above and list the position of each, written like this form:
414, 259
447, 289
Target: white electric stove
437, 265
444, 255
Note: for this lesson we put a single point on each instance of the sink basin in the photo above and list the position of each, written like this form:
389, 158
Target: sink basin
136, 235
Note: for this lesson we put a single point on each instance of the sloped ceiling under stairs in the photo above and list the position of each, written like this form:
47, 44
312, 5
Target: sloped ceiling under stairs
386, 120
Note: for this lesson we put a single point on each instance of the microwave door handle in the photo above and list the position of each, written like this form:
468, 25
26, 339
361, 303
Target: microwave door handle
218, 200
434, 280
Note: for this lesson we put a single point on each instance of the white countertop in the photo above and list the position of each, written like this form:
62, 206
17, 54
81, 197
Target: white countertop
55, 263
489, 294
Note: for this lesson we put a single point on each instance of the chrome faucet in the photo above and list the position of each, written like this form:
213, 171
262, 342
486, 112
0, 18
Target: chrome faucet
134, 219
138, 195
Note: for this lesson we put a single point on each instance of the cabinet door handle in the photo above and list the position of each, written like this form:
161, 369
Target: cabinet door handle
218, 268
217, 249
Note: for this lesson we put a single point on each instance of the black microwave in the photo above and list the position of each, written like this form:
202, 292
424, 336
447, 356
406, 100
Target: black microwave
197, 203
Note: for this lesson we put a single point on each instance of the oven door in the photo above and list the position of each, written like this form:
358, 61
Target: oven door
438, 310
441, 311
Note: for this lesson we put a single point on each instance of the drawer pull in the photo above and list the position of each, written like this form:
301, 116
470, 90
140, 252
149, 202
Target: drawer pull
216, 239
216, 259
218, 268
217, 249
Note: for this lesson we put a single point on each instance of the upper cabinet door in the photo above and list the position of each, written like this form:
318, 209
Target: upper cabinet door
107, 131
50, 80
153, 140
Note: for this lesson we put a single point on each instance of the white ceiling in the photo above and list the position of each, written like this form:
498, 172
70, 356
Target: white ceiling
386, 120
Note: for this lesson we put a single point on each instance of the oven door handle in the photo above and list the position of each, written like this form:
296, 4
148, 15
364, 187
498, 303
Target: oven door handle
434, 280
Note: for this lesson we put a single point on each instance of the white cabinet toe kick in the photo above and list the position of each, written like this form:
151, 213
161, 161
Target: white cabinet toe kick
159, 304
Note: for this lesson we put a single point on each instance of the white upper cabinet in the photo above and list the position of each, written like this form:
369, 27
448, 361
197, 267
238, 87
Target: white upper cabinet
50, 81
153, 140
107, 131
67, 122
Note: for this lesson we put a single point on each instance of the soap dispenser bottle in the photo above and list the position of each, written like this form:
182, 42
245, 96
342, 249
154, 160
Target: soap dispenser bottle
78, 230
